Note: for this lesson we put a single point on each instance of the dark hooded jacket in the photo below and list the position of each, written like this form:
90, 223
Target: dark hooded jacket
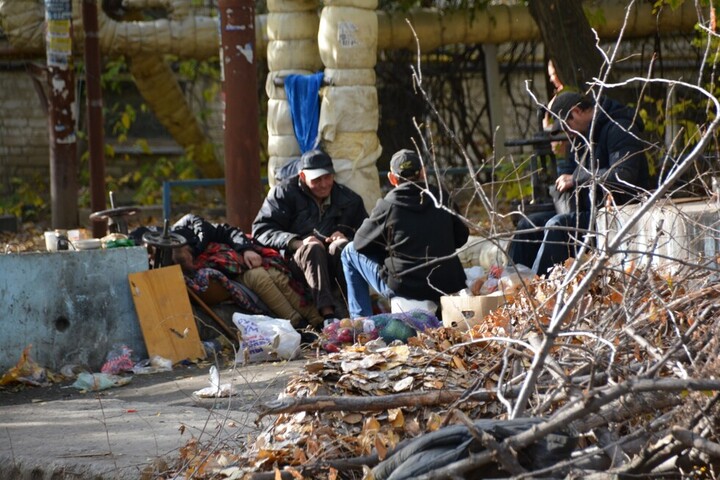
289, 212
199, 233
405, 230
619, 156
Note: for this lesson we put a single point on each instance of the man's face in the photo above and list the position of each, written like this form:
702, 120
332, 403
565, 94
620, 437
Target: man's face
321, 186
183, 256
579, 120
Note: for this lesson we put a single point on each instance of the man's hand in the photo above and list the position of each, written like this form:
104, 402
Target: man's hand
564, 182
335, 236
252, 259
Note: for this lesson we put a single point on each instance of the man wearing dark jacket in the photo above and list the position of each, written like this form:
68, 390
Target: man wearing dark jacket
311, 218
610, 166
406, 248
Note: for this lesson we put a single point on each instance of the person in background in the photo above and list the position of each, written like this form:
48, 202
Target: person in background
407, 245
311, 218
216, 250
611, 166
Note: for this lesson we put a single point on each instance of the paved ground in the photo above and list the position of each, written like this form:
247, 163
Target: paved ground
59, 433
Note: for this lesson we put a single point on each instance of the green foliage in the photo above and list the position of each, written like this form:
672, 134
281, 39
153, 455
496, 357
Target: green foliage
596, 16
147, 179
144, 173
25, 200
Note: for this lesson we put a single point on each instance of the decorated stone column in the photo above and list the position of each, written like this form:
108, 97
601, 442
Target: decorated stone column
292, 27
349, 113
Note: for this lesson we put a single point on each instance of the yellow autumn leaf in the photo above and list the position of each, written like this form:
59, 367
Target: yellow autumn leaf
434, 422
459, 363
396, 418
380, 447
371, 425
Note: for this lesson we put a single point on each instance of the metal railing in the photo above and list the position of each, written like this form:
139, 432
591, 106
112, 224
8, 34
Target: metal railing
214, 182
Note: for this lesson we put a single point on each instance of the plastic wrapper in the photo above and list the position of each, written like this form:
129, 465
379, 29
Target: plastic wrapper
153, 365
27, 371
507, 280
94, 382
387, 326
118, 360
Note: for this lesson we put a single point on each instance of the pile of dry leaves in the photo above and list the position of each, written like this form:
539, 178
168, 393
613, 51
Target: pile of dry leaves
630, 375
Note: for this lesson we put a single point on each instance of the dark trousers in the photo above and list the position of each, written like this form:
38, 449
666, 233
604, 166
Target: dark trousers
545, 244
321, 268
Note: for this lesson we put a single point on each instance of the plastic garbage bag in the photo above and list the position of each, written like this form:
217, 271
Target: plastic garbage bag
388, 326
153, 365
27, 371
265, 338
94, 382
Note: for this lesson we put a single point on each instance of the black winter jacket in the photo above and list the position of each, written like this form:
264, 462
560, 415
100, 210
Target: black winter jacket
290, 212
199, 233
406, 230
619, 154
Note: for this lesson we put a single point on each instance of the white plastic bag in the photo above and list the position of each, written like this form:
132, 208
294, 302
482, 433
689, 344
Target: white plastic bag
265, 338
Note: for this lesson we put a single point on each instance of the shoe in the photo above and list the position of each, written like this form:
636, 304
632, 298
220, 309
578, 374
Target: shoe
308, 337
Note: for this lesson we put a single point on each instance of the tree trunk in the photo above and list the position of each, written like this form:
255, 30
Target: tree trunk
569, 40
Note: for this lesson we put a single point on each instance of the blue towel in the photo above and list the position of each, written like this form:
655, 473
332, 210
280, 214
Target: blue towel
302, 94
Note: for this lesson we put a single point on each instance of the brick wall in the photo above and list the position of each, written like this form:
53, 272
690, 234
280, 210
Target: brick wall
23, 129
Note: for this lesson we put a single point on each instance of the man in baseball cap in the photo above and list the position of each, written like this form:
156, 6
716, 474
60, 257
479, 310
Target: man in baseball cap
315, 164
406, 164
311, 217
405, 248
609, 161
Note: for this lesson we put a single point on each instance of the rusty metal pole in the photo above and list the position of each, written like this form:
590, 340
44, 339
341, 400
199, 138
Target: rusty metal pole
63, 141
243, 190
96, 135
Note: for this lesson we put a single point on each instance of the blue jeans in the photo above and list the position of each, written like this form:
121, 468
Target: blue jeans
362, 272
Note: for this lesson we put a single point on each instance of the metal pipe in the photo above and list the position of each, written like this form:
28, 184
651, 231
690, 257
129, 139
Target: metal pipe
96, 136
243, 190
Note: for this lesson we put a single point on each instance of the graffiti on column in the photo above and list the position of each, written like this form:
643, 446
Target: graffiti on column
347, 35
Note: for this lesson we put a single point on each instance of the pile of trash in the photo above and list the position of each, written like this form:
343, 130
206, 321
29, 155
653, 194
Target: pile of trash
628, 385
119, 361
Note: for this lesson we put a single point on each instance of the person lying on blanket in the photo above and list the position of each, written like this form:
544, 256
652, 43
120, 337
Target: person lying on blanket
225, 254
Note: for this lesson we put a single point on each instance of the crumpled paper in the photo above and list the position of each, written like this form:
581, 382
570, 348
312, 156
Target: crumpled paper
215, 389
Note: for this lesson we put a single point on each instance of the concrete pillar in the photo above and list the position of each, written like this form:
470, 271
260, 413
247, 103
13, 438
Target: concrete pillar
349, 115
292, 27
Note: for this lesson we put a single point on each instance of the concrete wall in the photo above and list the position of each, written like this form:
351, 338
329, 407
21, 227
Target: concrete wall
71, 306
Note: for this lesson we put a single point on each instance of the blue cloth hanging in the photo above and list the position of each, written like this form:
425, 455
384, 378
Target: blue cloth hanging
303, 96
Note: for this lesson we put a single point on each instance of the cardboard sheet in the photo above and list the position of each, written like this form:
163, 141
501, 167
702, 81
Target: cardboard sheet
166, 317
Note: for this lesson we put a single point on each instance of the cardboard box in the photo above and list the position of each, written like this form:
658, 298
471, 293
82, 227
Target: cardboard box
463, 312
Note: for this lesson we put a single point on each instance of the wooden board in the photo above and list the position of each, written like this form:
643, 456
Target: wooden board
166, 317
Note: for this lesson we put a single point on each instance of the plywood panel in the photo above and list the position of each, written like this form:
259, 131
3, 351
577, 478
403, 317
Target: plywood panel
166, 317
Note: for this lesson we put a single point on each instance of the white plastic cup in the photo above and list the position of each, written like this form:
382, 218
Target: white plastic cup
51, 241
